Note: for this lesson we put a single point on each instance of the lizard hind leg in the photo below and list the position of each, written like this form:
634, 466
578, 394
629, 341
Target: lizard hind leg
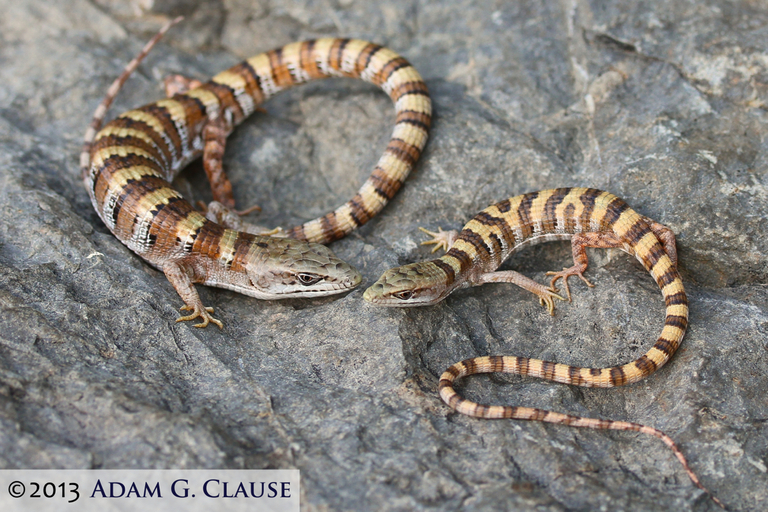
579, 243
666, 236
231, 219
179, 84
215, 141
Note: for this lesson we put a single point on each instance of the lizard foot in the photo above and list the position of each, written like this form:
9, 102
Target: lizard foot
547, 299
179, 84
230, 219
442, 239
217, 207
200, 312
565, 274
546, 296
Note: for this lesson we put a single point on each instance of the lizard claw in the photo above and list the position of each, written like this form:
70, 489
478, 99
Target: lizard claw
441, 239
565, 274
199, 312
547, 299
254, 208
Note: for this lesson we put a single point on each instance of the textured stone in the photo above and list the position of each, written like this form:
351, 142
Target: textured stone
663, 104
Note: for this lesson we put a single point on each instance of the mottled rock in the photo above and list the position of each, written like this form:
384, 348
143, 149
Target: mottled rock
664, 105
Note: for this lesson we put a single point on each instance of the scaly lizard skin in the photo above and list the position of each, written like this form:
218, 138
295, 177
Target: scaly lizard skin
128, 165
589, 218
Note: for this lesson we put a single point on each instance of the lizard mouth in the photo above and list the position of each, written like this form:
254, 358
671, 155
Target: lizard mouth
375, 295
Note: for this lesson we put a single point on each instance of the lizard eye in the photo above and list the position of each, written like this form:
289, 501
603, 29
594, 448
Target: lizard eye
403, 295
308, 279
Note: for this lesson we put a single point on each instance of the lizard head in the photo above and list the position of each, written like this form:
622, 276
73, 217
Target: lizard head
417, 284
281, 268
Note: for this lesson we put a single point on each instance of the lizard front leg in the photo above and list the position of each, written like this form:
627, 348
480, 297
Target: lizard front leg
181, 274
546, 295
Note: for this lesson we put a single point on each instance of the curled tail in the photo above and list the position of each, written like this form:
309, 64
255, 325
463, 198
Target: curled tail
301, 62
664, 271
240, 89
507, 364
675, 325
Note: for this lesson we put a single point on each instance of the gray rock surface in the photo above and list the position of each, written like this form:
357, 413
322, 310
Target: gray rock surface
664, 104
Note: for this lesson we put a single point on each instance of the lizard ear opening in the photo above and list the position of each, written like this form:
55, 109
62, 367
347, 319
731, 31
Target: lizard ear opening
258, 281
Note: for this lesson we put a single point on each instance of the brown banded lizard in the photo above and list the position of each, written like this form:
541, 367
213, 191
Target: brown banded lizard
586, 217
127, 167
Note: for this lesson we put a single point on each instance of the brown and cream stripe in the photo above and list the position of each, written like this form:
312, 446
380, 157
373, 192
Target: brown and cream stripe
589, 218
505, 364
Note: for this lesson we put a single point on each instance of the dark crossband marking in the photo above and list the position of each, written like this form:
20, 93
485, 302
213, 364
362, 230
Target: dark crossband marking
131, 140
414, 118
169, 130
137, 128
446, 268
676, 299
116, 168
164, 221
358, 211
549, 221
587, 200
227, 99
477, 242
464, 260
525, 222
666, 346
307, 62
364, 59
251, 81
406, 152
645, 364
384, 185
614, 211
